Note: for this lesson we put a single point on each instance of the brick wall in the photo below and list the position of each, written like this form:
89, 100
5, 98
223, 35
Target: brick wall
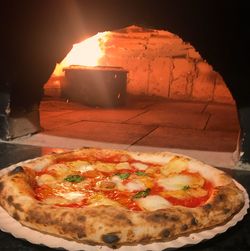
162, 64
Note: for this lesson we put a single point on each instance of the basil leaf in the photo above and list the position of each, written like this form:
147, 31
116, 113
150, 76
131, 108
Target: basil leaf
142, 194
74, 178
123, 176
139, 173
185, 187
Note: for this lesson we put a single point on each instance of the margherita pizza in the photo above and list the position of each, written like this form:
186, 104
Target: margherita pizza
114, 198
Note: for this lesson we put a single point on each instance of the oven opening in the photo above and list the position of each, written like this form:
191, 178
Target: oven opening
135, 87
157, 62
173, 97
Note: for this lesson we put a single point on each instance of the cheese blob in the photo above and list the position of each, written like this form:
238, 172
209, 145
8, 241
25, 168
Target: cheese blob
100, 199
45, 179
153, 202
176, 182
140, 166
72, 196
84, 168
135, 185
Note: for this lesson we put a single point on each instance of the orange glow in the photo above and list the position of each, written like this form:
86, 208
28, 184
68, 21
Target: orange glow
86, 53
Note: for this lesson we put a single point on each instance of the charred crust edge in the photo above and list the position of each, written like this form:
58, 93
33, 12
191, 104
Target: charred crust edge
110, 238
1, 186
18, 169
165, 233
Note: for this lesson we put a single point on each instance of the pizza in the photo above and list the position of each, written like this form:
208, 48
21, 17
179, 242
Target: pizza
116, 197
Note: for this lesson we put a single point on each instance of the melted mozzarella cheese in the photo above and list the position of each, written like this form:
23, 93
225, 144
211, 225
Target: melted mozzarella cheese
123, 165
135, 185
84, 168
175, 165
100, 199
60, 169
118, 181
140, 166
153, 202
105, 167
176, 182
45, 179
73, 196
105, 202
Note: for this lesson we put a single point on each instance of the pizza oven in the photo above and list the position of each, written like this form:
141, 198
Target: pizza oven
144, 61
151, 54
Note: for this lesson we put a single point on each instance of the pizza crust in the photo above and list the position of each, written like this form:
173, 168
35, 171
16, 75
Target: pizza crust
115, 226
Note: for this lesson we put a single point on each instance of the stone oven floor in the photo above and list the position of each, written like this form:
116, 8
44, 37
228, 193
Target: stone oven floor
204, 130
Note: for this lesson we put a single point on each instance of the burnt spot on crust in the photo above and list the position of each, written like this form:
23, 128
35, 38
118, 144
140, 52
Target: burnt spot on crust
130, 234
1, 186
81, 218
194, 221
72, 228
165, 233
17, 170
64, 214
39, 218
123, 218
226, 210
18, 207
220, 198
184, 227
145, 239
207, 207
174, 218
81, 234
16, 216
158, 217
110, 238
10, 200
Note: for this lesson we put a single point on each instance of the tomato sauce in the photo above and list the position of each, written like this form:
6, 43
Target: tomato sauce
193, 201
125, 198
43, 192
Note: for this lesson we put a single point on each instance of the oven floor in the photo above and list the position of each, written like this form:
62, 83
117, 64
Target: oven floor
207, 131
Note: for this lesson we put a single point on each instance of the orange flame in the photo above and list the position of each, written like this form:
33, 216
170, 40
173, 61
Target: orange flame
86, 53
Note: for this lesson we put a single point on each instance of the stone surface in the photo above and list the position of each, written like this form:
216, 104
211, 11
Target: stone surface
222, 117
204, 140
102, 115
97, 132
180, 119
144, 122
181, 106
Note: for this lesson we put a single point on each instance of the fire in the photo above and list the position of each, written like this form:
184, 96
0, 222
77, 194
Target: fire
86, 53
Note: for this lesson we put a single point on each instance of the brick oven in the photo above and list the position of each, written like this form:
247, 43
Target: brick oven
159, 63
177, 50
